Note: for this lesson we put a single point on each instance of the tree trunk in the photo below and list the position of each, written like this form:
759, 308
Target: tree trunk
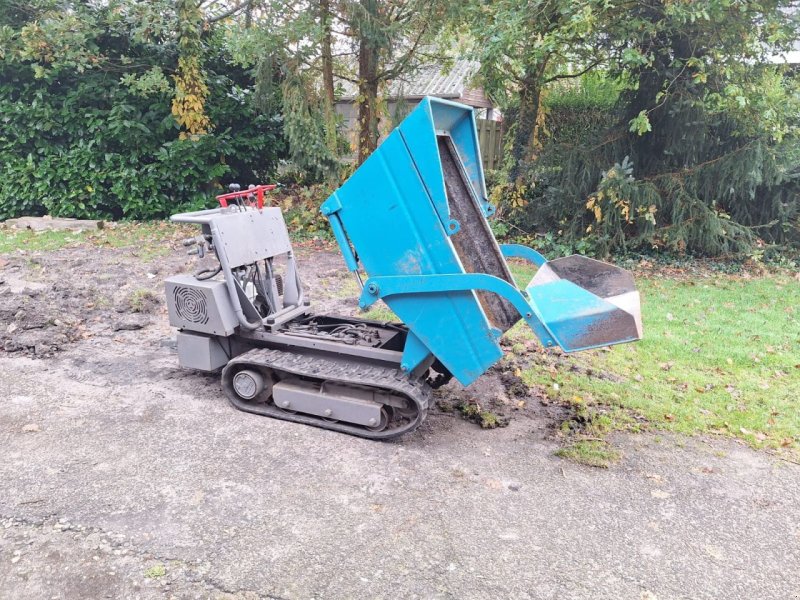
327, 54
367, 81
523, 150
329, 99
367, 119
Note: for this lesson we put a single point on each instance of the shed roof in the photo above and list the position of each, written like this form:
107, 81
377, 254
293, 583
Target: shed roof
430, 80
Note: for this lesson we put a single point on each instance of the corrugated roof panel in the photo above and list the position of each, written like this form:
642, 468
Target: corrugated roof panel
429, 80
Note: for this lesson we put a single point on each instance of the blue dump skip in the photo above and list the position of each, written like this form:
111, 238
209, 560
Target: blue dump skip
414, 218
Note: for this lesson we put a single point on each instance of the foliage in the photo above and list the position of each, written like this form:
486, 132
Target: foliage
514, 38
679, 137
306, 130
392, 38
376, 41
591, 93
524, 46
89, 133
721, 184
190, 86
283, 50
300, 206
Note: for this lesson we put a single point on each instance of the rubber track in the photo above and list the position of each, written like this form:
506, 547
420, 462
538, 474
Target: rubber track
318, 367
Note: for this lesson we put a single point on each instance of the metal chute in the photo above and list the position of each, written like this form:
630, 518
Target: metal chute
586, 303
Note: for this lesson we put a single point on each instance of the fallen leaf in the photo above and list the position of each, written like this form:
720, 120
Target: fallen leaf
660, 494
715, 552
670, 317
669, 417
30, 428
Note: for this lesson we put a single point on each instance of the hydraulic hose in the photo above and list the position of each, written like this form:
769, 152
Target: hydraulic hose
232, 291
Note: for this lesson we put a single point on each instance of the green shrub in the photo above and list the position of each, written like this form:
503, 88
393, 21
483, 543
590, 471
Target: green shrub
86, 144
709, 184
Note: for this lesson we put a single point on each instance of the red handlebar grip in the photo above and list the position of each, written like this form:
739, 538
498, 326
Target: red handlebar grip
258, 190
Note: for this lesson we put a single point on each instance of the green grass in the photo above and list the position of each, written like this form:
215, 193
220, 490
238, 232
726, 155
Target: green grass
142, 299
522, 271
380, 312
12, 240
594, 453
156, 572
720, 354
147, 240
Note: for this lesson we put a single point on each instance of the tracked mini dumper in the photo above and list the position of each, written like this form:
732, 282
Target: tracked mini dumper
413, 217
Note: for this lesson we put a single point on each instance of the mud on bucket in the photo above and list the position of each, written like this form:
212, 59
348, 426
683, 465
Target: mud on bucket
586, 303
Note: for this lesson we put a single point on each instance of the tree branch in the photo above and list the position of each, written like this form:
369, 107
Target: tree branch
230, 12
572, 75
403, 61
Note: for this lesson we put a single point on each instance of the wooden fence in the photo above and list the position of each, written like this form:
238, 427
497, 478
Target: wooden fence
490, 136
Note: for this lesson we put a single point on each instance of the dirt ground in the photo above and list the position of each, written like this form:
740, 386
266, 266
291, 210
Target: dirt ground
51, 301
125, 477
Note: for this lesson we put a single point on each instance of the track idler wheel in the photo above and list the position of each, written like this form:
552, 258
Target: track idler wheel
249, 384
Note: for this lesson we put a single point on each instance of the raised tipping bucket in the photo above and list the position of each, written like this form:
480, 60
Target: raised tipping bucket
586, 303
413, 217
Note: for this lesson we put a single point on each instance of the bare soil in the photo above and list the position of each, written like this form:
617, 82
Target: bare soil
50, 301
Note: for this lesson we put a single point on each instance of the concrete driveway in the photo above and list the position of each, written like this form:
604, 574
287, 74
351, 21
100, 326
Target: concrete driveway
124, 477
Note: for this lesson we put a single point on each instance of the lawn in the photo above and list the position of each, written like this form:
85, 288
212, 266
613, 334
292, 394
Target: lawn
720, 354
147, 240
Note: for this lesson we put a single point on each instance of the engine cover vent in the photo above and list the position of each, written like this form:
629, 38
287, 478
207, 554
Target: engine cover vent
190, 304
199, 306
